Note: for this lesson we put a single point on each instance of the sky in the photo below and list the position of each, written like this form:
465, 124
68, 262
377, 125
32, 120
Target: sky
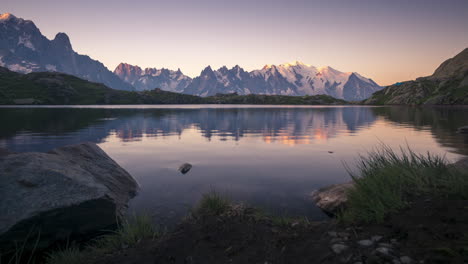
388, 41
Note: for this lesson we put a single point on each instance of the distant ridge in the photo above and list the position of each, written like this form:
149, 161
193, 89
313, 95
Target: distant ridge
447, 86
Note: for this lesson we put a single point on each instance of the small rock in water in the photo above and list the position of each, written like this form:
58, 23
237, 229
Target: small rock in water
339, 248
366, 243
331, 152
376, 238
184, 168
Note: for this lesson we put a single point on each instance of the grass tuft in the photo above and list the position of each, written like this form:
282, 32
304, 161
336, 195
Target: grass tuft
69, 255
387, 181
129, 233
213, 203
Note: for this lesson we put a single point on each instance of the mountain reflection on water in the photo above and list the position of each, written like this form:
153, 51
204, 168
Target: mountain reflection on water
290, 126
271, 157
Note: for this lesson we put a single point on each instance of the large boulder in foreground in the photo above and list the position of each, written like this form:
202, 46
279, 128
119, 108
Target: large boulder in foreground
332, 199
69, 192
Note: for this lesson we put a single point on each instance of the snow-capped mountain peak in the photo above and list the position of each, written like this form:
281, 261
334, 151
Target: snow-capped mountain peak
294, 78
294, 64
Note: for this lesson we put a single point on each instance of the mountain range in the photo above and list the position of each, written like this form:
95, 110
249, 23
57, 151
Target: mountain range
294, 79
53, 88
150, 78
24, 49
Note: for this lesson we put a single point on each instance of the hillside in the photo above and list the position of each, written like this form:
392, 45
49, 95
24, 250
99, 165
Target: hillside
447, 86
50, 88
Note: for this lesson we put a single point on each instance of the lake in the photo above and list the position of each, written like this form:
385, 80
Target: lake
272, 157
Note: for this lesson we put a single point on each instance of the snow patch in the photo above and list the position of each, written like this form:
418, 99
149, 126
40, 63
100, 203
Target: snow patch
50, 67
19, 68
362, 78
26, 41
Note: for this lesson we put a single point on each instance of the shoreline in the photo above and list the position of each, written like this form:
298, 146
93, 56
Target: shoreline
426, 229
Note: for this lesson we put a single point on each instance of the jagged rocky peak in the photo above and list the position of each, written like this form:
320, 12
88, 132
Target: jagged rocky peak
207, 70
7, 16
151, 78
237, 69
63, 40
223, 70
127, 72
17, 23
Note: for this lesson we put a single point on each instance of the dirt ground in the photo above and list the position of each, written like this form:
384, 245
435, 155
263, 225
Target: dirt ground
429, 231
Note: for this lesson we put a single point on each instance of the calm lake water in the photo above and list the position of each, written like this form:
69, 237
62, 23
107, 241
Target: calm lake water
268, 156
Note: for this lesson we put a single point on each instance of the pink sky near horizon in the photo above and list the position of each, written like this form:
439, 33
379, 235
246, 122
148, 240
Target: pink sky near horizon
388, 41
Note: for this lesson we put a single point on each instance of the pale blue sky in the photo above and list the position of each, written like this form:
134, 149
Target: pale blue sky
388, 41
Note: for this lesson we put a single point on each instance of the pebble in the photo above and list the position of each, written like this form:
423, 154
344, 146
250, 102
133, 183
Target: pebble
383, 250
332, 234
346, 259
343, 234
376, 238
365, 243
336, 240
385, 245
339, 248
406, 260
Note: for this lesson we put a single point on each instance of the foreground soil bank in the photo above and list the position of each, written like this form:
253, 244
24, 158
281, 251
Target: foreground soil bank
429, 231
